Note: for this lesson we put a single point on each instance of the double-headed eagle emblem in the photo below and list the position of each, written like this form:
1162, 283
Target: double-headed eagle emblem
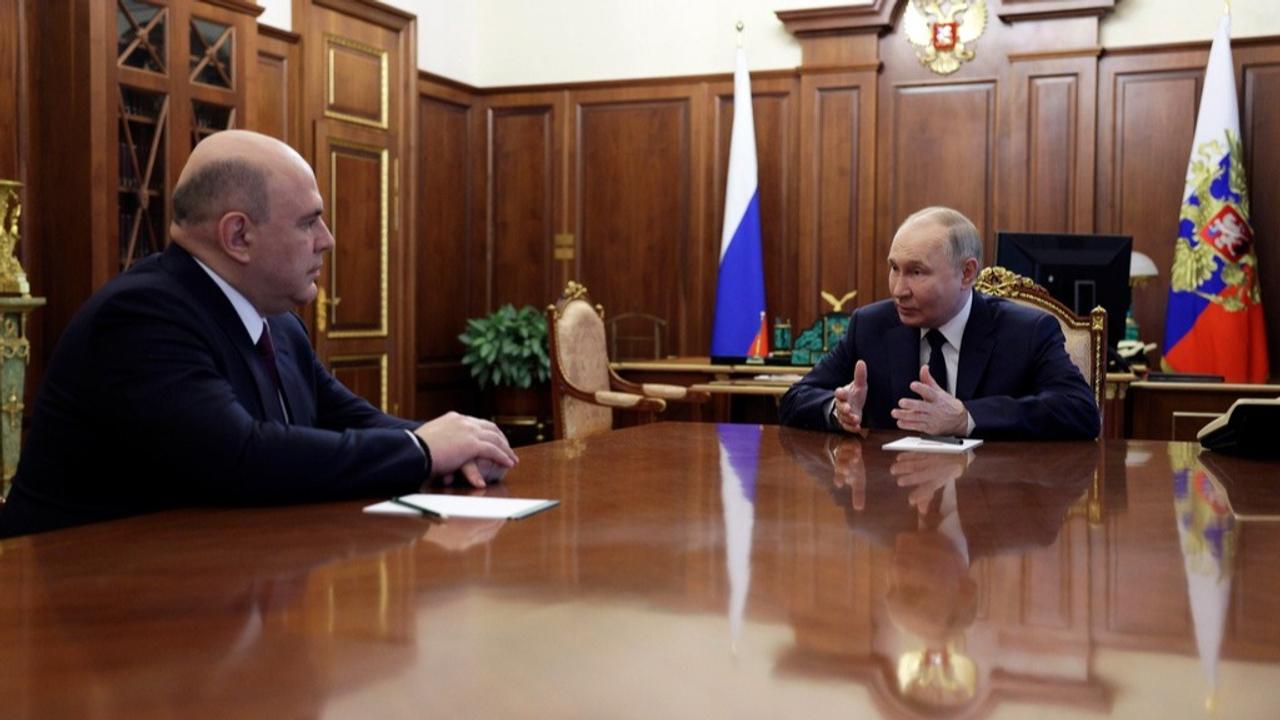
944, 32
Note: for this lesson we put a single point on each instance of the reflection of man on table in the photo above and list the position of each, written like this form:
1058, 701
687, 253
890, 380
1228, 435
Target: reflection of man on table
187, 380
938, 357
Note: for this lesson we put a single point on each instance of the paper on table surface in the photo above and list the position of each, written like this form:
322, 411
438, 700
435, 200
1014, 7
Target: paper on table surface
918, 444
465, 506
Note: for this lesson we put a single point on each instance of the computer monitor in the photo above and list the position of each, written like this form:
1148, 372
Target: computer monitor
1082, 271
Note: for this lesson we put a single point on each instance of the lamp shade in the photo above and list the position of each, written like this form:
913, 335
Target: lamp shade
1141, 266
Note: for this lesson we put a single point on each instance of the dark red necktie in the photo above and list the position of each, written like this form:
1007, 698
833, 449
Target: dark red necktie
267, 352
937, 365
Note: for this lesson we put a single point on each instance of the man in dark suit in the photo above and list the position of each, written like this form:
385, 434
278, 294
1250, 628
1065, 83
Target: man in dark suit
940, 358
188, 381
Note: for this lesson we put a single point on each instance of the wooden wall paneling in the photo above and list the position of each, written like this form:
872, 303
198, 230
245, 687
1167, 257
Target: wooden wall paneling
775, 107
444, 262
12, 101
275, 105
836, 248
1258, 73
1147, 104
937, 147
639, 160
524, 198
1048, 116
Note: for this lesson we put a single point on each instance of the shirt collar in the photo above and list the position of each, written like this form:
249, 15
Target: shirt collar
953, 329
253, 321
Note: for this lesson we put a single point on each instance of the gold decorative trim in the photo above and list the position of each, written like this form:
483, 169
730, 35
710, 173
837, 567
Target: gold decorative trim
382, 371
573, 291
384, 81
383, 236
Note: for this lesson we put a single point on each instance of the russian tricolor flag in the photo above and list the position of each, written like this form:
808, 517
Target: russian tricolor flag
739, 326
1215, 318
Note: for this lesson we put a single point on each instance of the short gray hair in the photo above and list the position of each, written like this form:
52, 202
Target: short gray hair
220, 187
962, 235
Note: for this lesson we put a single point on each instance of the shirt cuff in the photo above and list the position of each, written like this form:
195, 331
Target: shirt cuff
832, 423
426, 451
968, 431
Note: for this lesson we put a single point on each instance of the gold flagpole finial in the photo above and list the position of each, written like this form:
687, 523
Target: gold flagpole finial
739, 27
1226, 7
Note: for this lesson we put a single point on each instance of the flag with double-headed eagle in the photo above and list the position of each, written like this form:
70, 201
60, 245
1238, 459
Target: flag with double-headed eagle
1215, 324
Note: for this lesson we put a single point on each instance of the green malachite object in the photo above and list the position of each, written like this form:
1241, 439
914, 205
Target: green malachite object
15, 304
827, 331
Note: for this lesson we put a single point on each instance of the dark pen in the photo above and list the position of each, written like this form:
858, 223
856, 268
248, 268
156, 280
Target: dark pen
943, 439
426, 512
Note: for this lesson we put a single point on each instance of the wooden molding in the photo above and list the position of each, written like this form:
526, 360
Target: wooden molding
756, 75
371, 11
241, 6
845, 19
271, 31
1191, 46
1015, 10
424, 76
1093, 52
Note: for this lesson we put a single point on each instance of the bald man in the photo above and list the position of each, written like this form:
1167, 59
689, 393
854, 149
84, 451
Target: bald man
188, 380
938, 357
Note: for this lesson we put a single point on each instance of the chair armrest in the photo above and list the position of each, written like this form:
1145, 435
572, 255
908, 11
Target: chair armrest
629, 401
678, 393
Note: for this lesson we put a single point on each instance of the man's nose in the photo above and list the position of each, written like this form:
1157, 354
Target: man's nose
326, 242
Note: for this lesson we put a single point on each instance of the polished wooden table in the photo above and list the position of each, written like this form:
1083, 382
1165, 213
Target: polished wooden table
692, 570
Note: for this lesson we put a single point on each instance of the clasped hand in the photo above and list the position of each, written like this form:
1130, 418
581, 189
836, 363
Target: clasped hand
469, 446
937, 412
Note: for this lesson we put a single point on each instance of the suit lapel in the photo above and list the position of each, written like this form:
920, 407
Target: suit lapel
291, 385
976, 348
218, 308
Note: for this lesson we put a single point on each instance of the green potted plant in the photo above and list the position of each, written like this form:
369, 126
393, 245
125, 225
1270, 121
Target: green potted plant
507, 349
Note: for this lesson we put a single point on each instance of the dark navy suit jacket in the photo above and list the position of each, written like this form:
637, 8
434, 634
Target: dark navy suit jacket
155, 398
1014, 376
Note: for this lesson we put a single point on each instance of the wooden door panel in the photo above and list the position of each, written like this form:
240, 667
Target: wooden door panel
358, 220
365, 375
357, 81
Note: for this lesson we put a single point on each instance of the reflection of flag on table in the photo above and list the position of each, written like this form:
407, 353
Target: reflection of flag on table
1208, 534
738, 327
739, 455
1215, 322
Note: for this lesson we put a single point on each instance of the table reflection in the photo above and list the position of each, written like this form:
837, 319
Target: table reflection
937, 515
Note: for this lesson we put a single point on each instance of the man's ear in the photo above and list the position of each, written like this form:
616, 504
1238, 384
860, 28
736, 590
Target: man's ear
969, 272
235, 232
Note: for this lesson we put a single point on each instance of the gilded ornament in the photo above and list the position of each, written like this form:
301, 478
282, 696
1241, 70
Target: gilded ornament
944, 32
13, 281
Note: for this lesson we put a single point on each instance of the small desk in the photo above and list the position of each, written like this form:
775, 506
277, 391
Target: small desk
690, 571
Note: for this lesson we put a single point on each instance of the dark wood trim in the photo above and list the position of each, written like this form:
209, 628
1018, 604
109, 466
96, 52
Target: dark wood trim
1093, 52
240, 6
424, 76
1016, 10
638, 82
1192, 46
371, 11
276, 33
876, 17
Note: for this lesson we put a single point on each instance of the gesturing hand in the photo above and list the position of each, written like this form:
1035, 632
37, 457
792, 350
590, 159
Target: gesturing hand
937, 412
850, 399
461, 442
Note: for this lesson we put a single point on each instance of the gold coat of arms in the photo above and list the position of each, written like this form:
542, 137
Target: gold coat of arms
944, 32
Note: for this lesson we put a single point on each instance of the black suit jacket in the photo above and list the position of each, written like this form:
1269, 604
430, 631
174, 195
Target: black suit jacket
1014, 375
155, 398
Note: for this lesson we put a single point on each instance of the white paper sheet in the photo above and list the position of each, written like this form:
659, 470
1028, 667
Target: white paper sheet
465, 506
917, 444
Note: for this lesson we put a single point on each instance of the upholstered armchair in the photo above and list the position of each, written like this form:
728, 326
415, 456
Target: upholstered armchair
585, 391
1086, 337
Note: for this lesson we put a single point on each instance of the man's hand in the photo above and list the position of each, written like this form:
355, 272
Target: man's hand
850, 399
850, 471
937, 412
925, 473
461, 442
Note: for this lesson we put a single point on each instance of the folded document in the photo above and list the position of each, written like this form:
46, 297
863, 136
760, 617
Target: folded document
463, 506
919, 444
